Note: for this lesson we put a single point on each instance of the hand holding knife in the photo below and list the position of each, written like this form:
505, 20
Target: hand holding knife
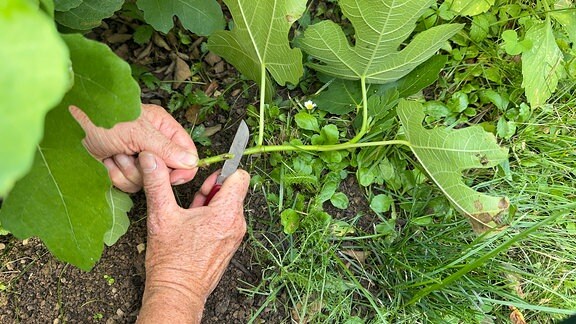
230, 166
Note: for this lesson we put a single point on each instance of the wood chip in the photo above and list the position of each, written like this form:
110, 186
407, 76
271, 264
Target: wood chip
141, 248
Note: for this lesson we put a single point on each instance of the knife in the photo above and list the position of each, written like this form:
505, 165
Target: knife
230, 166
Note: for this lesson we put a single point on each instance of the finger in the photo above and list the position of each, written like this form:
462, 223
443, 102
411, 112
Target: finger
81, 118
156, 179
233, 190
170, 140
118, 178
181, 176
200, 196
127, 165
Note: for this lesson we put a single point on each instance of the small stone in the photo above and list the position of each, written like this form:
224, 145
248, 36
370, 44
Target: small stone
120, 312
25, 242
2, 246
141, 248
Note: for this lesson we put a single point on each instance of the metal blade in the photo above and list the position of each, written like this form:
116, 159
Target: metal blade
237, 148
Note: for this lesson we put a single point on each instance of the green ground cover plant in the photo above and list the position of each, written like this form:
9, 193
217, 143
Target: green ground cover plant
425, 136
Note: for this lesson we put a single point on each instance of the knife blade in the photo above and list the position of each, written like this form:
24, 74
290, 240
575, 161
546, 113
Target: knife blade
231, 165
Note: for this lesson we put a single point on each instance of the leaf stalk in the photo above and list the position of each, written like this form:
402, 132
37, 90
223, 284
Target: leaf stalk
289, 147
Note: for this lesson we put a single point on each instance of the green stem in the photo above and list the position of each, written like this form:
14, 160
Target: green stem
310, 148
262, 101
364, 128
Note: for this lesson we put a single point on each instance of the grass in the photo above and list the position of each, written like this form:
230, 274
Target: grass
441, 272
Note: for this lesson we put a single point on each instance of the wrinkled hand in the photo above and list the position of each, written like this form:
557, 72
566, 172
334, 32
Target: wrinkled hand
188, 250
155, 131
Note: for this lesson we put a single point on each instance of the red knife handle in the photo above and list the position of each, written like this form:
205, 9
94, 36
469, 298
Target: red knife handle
211, 194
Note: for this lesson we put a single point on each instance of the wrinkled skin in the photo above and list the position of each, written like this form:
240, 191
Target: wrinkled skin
188, 249
155, 130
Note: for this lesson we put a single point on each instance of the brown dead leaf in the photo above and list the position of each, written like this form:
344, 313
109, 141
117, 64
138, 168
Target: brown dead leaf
118, 38
210, 88
160, 42
212, 59
209, 131
144, 53
516, 316
193, 113
181, 72
360, 256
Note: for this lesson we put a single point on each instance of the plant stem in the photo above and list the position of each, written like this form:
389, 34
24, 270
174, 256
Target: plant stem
364, 127
262, 101
288, 147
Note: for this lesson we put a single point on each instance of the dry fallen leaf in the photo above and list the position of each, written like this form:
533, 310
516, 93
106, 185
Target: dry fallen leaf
516, 317
360, 256
181, 72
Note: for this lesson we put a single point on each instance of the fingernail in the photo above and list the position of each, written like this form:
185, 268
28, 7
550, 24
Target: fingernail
178, 182
147, 162
189, 159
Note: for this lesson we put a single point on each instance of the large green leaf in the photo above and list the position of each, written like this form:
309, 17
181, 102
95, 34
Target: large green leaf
94, 90
64, 199
381, 27
88, 14
201, 17
65, 5
259, 40
446, 153
34, 76
542, 65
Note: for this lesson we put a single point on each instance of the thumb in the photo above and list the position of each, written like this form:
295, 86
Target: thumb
233, 190
156, 180
175, 156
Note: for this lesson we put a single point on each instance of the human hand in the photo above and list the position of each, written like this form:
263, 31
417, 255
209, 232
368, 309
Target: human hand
155, 131
188, 250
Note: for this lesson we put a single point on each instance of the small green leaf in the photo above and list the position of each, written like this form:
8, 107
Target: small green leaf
378, 34
469, 7
542, 65
381, 203
306, 121
511, 44
290, 220
421, 77
494, 97
88, 14
120, 204
505, 128
143, 34
480, 28
341, 97
446, 153
31, 83
201, 17
340, 200
330, 184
